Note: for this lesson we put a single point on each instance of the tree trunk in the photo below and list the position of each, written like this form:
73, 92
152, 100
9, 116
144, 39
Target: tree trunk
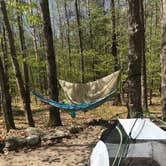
35, 46
151, 92
100, 3
151, 59
134, 57
61, 31
68, 36
80, 42
7, 110
20, 82
5, 79
163, 60
114, 41
25, 66
60, 25
143, 74
114, 47
54, 114
91, 39
1, 101
39, 80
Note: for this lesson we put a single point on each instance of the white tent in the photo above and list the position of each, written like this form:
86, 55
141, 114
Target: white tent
146, 144
144, 129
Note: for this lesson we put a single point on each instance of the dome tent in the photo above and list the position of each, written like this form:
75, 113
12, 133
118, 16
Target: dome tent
130, 142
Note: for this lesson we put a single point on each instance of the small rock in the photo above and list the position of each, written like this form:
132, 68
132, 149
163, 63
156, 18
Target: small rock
2, 145
11, 143
22, 142
99, 122
33, 140
34, 131
60, 133
76, 129
57, 135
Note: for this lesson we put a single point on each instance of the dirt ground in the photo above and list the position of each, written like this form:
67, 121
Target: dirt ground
70, 152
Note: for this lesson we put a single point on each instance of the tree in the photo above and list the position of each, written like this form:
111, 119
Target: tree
68, 35
20, 82
114, 36
24, 55
114, 46
143, 71
163, 60
60, 25
34, 20
5, 87
153, 47
80, 42
134, 58
91, 39
54, 114
7, 109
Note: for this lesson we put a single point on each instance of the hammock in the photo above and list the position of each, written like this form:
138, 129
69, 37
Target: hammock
84, 92
90, 92
72, 108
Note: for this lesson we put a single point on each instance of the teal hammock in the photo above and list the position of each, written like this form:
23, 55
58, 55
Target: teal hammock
73, 108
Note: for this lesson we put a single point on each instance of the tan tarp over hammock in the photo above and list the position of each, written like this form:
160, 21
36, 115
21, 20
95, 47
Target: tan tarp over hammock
89, 92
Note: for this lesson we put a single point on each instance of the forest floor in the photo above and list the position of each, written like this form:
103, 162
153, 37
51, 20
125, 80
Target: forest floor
69, 152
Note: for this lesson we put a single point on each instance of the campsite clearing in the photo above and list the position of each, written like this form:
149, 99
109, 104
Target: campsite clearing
70, 152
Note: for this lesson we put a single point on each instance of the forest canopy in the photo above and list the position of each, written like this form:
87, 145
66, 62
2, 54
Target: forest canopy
88, 39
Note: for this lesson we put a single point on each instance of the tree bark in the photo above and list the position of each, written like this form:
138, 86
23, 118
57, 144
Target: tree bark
38, 82
91, 39
114, 47
39, 78
16, 67
80, 42
62, 38
114, 41
54, 114
60, 25
68, 36
151, 92
1, 101
5, 79
163, 60
7, 110
134, 58
25, 66
143, 74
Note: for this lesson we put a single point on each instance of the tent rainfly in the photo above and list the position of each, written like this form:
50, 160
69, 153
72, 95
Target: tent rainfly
130, 142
